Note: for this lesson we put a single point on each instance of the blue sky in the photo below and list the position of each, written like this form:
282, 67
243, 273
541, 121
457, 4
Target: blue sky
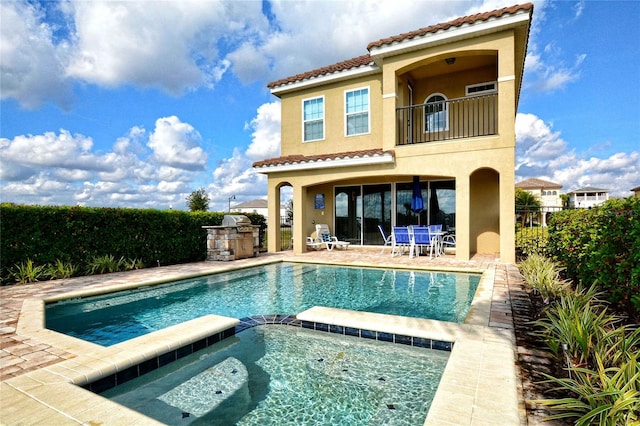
137, 103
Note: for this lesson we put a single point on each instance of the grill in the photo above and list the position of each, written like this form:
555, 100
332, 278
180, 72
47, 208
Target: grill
235, 220
235, 239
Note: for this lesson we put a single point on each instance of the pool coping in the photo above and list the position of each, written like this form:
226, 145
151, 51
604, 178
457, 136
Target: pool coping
475, 388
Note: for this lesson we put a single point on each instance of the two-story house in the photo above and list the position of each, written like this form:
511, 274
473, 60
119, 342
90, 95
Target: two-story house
548, 193
437, 105
587, 197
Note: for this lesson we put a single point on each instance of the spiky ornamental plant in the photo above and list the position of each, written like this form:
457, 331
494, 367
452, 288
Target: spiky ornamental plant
27, 272
606, 396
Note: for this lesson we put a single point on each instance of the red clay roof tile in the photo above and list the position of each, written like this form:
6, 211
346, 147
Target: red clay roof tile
340, 66
458, 22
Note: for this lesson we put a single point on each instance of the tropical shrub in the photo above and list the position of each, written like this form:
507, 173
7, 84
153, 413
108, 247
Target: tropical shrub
104, 264
601, 395
543, 275
601, 246
603, 383
27, 272
60, 270
574, 324
130, 264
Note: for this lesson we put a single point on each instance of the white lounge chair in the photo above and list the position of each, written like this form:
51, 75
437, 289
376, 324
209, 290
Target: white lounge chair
331, 241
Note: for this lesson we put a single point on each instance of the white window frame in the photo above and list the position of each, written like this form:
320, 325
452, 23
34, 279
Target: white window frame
469, 87
445, 111
313, 120
368, 111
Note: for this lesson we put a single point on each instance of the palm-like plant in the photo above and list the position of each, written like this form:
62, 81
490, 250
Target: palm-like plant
607, 396
528, 203
543, 275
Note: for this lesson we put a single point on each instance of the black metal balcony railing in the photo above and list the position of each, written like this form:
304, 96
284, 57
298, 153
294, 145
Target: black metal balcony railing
451, 119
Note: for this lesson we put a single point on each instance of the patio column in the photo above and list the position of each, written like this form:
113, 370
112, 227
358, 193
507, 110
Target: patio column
299, 219
463, 216
273, 217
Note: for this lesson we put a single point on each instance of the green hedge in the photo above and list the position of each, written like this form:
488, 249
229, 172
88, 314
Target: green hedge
79, 234
602, 246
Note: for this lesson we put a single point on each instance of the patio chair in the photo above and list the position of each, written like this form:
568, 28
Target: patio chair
330, 241
422, 238
400, 240
436, 235
386, 238
449, 243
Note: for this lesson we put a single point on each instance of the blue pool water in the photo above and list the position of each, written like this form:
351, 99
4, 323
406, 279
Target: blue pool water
282, 375
282, 288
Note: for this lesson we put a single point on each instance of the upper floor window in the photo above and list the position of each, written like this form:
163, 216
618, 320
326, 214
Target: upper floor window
313, 119
357, 111
481, 88
436, 113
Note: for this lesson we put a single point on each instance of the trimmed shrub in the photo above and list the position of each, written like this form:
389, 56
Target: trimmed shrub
77, 235
601, 246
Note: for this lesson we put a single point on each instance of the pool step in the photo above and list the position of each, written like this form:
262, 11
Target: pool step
204, 392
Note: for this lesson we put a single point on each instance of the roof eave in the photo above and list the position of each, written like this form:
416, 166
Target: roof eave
451, 34
326, 78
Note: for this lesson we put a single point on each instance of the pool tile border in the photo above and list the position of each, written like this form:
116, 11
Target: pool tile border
133, 372
149, 365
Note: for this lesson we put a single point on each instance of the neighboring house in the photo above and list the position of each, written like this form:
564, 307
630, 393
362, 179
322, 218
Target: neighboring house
439, 104
548, 193
585, 198
636, 191
258, 205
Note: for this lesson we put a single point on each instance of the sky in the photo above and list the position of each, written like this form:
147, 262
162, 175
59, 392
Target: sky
139, 103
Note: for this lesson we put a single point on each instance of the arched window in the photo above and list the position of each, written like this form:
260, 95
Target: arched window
436, 113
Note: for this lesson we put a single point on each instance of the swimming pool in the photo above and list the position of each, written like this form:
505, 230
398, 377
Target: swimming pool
282, 375
281, 288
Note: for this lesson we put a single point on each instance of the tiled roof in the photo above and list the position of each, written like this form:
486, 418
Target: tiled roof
365, 60
537, 184
589, 189
360, 61
258, 203
458, 22
297, 159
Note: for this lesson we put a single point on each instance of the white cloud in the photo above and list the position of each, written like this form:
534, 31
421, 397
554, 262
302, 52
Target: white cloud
235, 176
30, 64
177, 144
265, 141
61, 168
51, 150
171, 45
542, 153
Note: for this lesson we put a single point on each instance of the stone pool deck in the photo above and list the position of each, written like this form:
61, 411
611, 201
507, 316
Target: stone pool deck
38, 367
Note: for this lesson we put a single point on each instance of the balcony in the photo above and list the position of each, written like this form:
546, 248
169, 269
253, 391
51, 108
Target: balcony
448, 119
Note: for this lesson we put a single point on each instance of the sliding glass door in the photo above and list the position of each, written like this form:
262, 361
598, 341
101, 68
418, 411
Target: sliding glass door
359, 209
348, 214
